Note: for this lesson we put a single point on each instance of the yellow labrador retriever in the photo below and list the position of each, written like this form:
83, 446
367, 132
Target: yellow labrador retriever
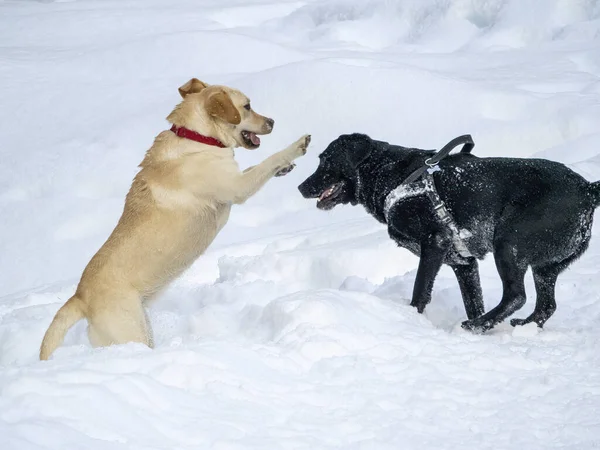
178, 202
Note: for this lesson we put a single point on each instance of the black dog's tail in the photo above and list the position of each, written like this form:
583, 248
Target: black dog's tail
595, 193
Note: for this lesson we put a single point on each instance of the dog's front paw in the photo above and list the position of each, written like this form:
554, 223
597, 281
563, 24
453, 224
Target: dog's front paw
477, 326
299, 147
285, 170
420, 306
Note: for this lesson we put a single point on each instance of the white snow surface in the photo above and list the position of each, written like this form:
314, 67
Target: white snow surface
293, 331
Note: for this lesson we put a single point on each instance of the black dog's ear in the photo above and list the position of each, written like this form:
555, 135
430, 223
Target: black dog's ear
358, 148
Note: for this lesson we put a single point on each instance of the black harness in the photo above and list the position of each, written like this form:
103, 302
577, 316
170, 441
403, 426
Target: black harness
421, 182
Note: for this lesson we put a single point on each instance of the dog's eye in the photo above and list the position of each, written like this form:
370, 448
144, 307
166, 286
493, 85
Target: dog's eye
247, 106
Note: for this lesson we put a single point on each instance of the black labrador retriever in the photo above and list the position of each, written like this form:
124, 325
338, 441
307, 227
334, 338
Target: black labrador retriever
528, 212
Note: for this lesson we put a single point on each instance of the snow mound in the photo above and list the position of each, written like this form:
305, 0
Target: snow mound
327, 324
445, 25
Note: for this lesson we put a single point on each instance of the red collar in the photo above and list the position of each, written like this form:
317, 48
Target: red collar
193, 136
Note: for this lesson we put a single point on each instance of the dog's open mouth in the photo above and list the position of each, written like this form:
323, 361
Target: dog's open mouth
328, 198
251, 140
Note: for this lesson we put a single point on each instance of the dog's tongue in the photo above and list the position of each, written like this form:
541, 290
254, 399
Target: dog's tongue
254, 138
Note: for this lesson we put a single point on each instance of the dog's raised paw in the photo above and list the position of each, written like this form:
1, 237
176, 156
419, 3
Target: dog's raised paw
285, 170
307, 140
302, 144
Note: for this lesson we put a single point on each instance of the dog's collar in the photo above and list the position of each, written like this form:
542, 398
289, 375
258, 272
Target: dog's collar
194, 136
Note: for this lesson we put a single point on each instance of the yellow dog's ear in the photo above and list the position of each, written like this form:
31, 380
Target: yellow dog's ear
192, 87
219, 105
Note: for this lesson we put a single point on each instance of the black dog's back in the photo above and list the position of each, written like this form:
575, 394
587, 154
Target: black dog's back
540, 199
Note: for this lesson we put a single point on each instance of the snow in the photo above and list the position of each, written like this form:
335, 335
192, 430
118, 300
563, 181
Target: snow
294, 330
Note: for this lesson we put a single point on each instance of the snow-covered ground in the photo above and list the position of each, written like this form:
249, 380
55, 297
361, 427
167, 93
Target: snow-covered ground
294, 330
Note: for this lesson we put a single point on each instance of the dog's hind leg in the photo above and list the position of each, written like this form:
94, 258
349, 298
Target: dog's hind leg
545, 276
512, 272
120, 327
470, 288
545, 304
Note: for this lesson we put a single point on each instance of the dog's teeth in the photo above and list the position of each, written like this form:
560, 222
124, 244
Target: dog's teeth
327, 193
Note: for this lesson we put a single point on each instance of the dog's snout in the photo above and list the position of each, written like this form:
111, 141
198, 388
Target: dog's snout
306, 188
302, 189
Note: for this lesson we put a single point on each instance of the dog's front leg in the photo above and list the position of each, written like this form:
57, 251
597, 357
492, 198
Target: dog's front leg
470, 288
433, 250
280, 172
255, 177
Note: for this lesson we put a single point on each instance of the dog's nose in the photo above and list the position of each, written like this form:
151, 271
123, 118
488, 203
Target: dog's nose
303, 188
270, 124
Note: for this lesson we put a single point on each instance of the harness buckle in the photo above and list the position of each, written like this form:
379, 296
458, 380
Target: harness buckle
442, 213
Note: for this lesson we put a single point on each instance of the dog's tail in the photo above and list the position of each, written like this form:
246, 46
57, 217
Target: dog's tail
594, 190
64, 319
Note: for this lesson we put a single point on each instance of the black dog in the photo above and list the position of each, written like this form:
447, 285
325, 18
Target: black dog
528, 212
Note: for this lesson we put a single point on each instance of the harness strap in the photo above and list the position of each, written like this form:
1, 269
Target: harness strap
426, 186
445, 218
465, 139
